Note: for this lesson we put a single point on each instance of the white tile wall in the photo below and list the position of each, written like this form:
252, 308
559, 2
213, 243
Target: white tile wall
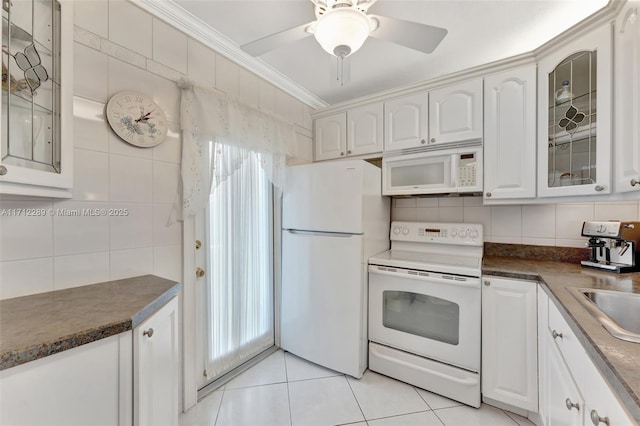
120, 47
547, 225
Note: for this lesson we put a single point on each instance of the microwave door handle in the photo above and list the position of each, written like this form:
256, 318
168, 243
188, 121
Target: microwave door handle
454, 171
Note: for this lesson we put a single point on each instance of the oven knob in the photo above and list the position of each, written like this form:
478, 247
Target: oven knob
474, 233
405, 231
462, 233
396, 230
453, 233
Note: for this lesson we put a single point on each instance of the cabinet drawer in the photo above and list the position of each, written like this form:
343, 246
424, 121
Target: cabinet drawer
566, 342
600, 398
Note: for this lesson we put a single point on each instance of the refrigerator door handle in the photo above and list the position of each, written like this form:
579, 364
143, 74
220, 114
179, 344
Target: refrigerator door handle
321, 233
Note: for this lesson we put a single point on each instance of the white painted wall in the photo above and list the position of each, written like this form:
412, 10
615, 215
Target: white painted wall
545, 225
120, 47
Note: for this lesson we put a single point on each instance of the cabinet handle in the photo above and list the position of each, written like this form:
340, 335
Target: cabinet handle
433, 140
488, 194
342, 153
571, 405
148, 332
487, 283
596, 419
3, 170
633, 182
199, 272
423, 141
599, 188
198, 244
348, 151
555, 335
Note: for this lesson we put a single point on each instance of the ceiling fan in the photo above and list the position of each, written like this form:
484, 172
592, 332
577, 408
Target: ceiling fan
342, 26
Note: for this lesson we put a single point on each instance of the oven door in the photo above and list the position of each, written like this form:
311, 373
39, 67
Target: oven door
429, 314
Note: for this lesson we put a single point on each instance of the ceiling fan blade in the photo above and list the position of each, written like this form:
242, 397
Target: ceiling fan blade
274, 41
413, 35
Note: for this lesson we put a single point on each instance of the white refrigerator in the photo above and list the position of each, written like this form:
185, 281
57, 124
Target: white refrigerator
334, 218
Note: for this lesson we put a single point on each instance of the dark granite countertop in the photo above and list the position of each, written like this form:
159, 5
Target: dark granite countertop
617, 360
35, 326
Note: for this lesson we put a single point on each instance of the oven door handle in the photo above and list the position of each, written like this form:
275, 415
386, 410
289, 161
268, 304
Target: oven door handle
431, 276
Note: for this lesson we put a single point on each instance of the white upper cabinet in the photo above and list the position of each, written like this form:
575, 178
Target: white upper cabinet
510, 134
364, 129
330, 137
627, 99
405, 122
36, 151
574, 117
455, 113
357, 131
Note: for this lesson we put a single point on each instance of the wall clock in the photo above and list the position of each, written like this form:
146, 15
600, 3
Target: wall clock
137, 119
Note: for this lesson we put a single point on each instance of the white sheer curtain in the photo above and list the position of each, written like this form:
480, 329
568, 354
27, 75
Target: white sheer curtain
209, 116
232, 154
240, 322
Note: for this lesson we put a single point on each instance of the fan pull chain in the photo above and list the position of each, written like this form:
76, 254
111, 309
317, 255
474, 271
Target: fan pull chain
340, 69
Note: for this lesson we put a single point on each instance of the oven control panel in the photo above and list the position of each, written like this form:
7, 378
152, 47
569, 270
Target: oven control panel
434, 232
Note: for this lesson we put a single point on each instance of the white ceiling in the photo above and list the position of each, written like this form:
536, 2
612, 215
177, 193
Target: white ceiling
480, 31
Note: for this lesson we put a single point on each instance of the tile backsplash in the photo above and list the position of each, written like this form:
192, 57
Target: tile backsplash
121, 47
544, 225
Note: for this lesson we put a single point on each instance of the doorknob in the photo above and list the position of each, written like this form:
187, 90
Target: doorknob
199, 272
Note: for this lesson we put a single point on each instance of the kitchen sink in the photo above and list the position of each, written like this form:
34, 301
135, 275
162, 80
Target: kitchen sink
617, 311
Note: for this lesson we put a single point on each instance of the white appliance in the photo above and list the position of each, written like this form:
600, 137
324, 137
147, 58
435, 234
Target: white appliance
424, 308
433, 172
334, 219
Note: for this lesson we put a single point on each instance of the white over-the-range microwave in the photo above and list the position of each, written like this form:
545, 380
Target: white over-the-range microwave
439, 171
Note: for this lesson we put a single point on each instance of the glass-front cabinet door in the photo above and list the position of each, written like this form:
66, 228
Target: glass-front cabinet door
36, 142
574, 117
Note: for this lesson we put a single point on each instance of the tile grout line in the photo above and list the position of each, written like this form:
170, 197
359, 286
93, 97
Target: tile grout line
286, 377
356, 398
432, 410
219, 406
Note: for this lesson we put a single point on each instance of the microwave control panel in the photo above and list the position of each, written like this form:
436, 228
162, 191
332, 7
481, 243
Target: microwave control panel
467, 170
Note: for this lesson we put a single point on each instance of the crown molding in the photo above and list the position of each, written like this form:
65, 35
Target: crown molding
433, 83
171, 13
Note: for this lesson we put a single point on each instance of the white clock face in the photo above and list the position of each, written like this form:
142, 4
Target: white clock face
137, 119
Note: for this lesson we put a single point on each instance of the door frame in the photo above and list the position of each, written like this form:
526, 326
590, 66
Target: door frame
189, 317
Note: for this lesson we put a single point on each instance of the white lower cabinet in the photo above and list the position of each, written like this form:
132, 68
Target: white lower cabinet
509, 342
565, 404
79, 386
129, 378
155, 368
572, 390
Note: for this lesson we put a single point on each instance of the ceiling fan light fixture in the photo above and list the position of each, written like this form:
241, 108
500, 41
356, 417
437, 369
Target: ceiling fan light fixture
342, 31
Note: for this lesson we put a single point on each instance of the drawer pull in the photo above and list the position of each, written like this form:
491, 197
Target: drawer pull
571, 405
596, 419
555, 334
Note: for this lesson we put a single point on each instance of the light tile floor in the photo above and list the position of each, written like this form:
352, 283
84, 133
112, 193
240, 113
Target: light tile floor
286, 390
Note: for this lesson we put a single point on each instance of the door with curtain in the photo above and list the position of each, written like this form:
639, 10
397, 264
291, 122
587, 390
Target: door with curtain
237, 302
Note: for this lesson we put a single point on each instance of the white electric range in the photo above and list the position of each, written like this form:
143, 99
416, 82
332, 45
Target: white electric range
425, 308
